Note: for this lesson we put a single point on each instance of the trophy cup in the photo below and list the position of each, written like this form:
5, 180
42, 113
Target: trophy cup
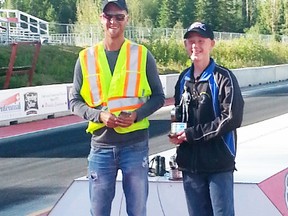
179, 114
176, 121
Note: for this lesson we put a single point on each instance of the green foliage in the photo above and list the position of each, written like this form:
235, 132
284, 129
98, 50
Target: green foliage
151, 12
238, 53
234, 22
88, 11
56, 63
135, 12
224, 15
167, 14
170, 55
186, 12
38, 8
249, 52
65, 10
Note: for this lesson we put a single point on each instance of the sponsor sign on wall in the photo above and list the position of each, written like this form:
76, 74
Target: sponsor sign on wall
10, 105
29, 101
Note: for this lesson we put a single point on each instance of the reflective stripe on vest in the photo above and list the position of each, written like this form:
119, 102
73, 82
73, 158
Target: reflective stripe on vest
128, 88
95, 83
92, 73
125, 103
133, 63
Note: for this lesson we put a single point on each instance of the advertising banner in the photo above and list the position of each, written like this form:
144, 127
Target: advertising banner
31, 101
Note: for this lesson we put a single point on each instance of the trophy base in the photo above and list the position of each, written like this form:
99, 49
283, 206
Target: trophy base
177, 127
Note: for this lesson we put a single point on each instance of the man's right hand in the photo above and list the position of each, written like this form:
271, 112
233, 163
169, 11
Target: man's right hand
108, 119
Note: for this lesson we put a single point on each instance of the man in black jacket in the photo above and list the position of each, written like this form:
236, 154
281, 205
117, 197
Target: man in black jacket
209, 102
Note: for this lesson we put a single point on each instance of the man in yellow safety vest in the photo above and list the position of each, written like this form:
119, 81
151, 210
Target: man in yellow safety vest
116, 87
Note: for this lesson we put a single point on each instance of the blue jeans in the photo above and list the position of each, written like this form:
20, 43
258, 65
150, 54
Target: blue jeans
209, 194
103, 165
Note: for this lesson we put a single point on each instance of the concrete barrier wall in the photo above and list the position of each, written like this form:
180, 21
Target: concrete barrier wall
50, 101
246, 77
281, 72
168, 83
256, 76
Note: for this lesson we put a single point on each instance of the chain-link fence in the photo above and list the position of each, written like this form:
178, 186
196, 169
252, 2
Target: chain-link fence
87, 35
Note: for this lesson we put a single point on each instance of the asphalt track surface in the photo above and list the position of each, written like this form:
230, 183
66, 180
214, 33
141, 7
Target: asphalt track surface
36, 168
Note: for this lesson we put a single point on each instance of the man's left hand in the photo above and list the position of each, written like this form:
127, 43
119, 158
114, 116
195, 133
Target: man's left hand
126, 120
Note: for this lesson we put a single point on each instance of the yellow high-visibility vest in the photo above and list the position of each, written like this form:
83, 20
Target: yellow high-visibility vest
128, 88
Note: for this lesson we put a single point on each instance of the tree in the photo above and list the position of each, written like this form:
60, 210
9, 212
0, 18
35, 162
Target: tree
2, 4
22, 5
88, 13
249, 12
285, 26
42, 9
280, 26
135, 12
151, 8
8, 4
65, 10
270, 16
186, 12
208, 11
264, 18
167, 15
229, 18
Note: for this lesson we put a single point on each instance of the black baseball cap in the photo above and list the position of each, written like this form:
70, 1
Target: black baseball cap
201, 28
120, 3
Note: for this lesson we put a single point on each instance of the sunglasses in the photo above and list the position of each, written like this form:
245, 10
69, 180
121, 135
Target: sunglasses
118, 17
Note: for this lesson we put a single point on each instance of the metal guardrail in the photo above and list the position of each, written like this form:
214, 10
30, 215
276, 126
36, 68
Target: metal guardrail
24, 21
18, 36
18, 26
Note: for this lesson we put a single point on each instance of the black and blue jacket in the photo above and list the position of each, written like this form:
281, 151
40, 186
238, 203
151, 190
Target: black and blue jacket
213, 116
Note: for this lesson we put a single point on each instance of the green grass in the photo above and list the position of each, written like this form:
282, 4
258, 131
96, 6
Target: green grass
56, 63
